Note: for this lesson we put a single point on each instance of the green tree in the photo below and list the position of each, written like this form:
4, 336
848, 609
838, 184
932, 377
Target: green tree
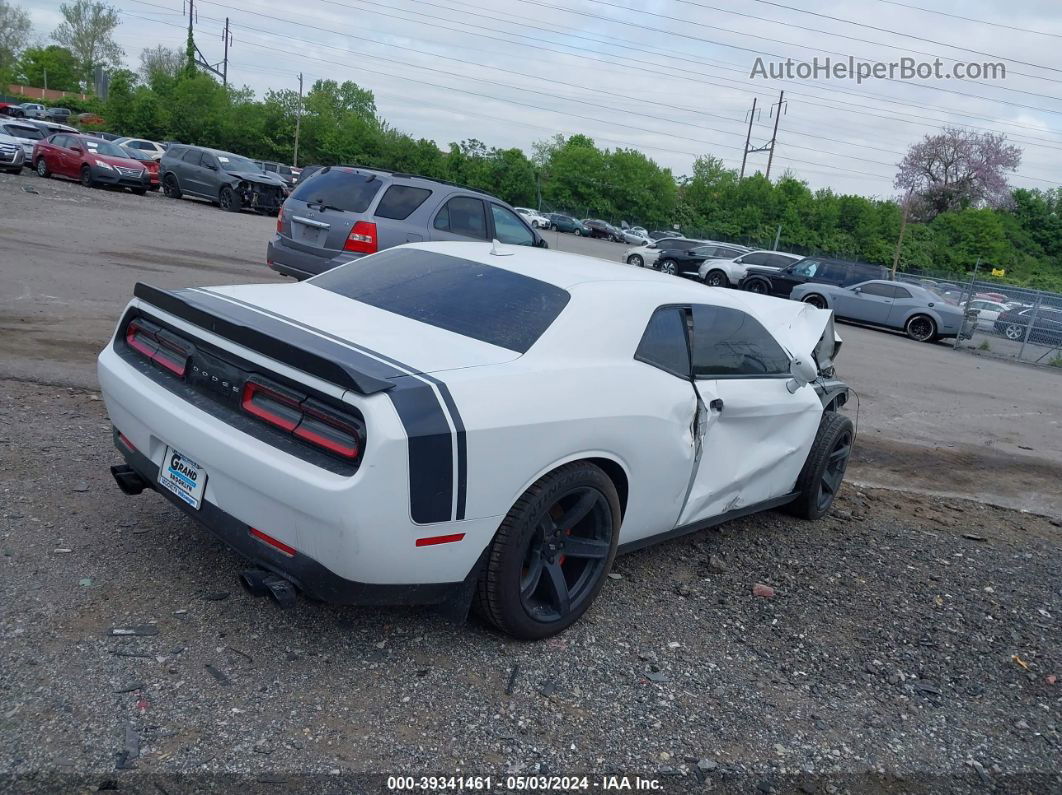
15, 30
87, 31
161, 66
49, 67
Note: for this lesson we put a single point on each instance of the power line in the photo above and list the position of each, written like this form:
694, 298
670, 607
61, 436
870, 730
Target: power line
971, 19
760, 52
362, 68
743, 86
893, 32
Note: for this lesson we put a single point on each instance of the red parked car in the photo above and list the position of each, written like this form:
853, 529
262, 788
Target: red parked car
91, 160
147, 161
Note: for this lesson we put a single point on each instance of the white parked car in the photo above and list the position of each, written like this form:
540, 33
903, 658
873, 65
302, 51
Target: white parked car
12, 155
644, 255
730, 272
26, 134
534, 217
500, 441
987, 312
636, 237
154, 150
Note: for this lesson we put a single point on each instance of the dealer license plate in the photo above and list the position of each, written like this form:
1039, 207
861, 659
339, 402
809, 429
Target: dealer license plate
183, 476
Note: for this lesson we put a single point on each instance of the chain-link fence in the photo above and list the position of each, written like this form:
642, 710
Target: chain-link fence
1002, 320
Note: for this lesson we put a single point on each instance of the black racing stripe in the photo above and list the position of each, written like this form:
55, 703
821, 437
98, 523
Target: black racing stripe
324, 358
431, 475
462, 449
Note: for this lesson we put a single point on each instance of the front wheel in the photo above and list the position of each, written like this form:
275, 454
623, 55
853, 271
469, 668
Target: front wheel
758, 286
921, 328
670, 267
170, 187
636, 260
815, 300
86, 177
227, 200
1014, 331
551, 553
42, 168
823, 471
716, 278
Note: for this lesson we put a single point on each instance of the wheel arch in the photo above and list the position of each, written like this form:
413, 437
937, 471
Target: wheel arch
609, 463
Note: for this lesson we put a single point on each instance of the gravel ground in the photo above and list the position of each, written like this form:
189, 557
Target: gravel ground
911, 644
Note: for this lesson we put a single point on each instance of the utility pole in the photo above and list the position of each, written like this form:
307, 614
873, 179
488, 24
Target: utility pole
748, 137
903, 228
226, 36
774, 135
298, 124
46, 78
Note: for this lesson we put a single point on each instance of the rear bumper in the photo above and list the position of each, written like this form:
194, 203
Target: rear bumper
356, 526
291, 261
311, 577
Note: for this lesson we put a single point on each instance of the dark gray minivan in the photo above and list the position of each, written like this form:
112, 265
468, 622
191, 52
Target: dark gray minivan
342, 213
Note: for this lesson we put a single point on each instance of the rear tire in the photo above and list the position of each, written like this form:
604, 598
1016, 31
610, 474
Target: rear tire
815, 300
549, 558
86, 177
170, 188
669, 266
758, 286
823, 472
42, 168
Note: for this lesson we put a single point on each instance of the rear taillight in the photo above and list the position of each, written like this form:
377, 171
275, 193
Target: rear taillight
280, 220
158, 345
362, 238
303, 417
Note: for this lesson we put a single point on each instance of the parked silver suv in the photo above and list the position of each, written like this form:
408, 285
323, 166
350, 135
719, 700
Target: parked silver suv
342, 213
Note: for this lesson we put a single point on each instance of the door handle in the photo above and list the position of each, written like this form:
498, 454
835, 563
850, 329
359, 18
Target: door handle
716, 405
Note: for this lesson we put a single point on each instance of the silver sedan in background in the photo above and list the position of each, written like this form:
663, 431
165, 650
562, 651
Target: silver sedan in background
914, 310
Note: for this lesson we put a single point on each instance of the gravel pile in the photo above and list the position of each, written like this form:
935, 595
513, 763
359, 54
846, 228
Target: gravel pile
903, 644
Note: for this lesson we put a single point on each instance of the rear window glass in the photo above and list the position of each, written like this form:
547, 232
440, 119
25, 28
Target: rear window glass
479, 301
400, 201
340, 189
31, 133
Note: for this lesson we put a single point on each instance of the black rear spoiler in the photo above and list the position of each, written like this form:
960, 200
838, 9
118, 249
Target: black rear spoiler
329, 358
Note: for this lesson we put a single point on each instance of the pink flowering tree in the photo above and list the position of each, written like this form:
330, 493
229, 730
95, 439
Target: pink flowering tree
955, 169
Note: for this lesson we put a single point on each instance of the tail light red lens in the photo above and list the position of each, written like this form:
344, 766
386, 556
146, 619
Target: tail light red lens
273, 404
280, 220
362, 238
325, 428
303, 417
280, 546
158, 345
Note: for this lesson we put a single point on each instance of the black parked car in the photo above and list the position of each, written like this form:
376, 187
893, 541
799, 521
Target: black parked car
687, 262
822, 270
603, 230
1044, 329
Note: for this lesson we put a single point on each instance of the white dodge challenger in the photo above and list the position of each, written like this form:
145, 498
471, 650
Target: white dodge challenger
449, 423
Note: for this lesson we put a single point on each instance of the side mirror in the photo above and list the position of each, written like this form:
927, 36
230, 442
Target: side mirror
77, 150
653, 246
540, 242
211, 166
857, 290
803, 372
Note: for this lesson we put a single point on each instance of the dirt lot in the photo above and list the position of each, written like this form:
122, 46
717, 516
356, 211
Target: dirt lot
912, 643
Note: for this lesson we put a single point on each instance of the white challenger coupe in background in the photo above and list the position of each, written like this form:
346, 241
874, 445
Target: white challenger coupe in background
446, 422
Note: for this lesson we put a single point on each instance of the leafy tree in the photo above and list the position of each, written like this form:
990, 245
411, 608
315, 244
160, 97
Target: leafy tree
958, 168
50, 67
87, 31
15, 29
160, 66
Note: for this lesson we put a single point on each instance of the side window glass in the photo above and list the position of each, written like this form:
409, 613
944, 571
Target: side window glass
192, 157
901, 292
400, 201
509, 229
465, 217
807, 268
442, 220
728, 343
664, 343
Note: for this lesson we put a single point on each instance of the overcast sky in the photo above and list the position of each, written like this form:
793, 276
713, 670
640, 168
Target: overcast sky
668, 77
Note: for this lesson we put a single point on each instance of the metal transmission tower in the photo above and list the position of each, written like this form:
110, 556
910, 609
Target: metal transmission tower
749, 149
769, 146
780, 105
220, 68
